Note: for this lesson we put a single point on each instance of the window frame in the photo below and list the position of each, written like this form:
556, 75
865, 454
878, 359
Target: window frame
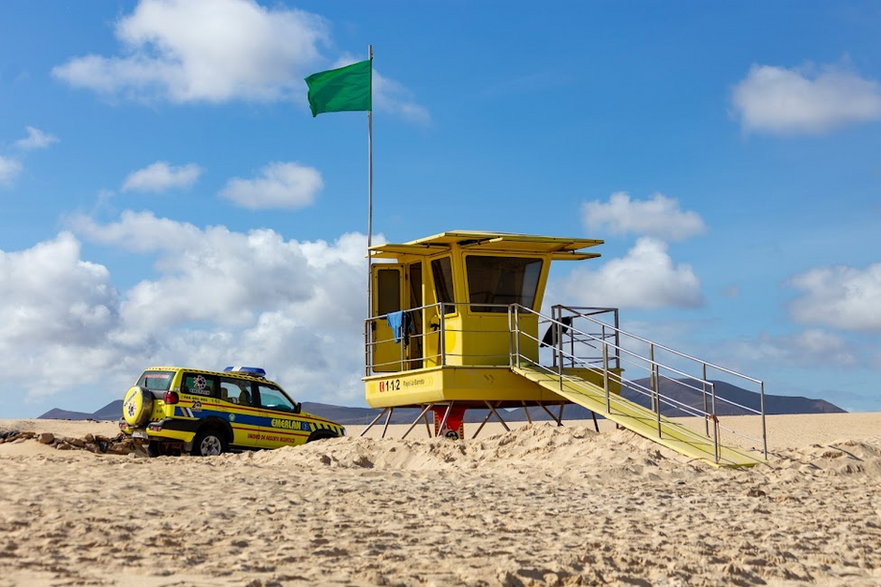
214, 390
258, 398
475, 307
450, 278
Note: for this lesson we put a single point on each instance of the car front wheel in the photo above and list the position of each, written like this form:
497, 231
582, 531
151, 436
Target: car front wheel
321, 435
209, 443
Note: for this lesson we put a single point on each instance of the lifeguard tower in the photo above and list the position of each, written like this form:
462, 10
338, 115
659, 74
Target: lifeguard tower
456, 324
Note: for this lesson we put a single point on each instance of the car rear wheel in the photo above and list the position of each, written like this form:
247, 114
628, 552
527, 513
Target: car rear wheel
209, 442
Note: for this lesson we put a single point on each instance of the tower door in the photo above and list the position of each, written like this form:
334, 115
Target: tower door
388, 292
414, 297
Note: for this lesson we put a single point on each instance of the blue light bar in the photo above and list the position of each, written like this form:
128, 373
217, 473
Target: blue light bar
251, 371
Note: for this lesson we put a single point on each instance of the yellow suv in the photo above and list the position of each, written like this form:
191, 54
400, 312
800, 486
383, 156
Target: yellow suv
174, 410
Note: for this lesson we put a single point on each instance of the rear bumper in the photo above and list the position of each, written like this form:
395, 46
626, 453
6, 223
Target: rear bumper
165, 429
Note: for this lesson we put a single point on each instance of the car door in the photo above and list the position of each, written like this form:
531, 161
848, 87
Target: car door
284, 425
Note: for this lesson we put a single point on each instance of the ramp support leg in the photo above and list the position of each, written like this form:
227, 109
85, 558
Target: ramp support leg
559, 420
482, 424
493, 410
427, 425
388, 418
444, 420
416, 421
375, 420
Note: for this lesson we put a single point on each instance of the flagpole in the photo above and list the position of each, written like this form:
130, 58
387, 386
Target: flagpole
369, 202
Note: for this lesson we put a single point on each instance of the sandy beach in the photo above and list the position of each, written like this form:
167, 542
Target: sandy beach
541, 505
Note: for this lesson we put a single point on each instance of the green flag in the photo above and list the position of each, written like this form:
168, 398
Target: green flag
341, 90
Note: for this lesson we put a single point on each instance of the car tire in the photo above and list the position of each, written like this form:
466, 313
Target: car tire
321, 435
153, 449
137, 406
209, 442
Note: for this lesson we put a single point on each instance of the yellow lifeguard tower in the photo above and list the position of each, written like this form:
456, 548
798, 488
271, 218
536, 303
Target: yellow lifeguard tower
456, 324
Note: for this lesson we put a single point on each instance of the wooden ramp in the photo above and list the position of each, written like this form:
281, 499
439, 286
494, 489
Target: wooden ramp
640, 420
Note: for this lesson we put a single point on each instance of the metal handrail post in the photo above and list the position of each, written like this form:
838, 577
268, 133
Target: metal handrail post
652, 377
510, 338
715, 422
658, 407
403, 350
517, 333
717, 452
764, 430
617, 342
558, 351
368, 346
606, 377
442, 341
704, 389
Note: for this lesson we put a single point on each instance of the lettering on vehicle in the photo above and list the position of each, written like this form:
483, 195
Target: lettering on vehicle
289, 424
268, 437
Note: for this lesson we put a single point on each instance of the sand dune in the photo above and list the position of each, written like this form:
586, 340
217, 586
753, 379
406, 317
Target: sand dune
538, 506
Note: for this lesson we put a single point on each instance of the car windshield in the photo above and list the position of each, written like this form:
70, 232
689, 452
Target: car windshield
156, 380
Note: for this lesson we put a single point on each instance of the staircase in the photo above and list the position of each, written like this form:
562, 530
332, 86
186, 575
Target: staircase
589, 357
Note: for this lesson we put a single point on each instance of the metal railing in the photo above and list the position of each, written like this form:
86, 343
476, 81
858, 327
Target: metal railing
587, 342
419, 340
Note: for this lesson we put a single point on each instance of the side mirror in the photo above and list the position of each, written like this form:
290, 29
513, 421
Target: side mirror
298, 407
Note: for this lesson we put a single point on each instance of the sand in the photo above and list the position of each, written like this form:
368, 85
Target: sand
541, 505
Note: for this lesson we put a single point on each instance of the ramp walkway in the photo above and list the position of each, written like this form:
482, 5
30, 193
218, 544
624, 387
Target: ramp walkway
639, 419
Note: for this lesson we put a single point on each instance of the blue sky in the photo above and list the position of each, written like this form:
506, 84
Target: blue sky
166, 197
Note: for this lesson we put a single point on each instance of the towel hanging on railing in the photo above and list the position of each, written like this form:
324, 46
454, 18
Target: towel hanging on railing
401, 324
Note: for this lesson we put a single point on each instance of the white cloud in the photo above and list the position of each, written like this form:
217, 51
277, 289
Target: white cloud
216, 297
36, 139
808, 348
840, 296
50, 296
659, 217
390, 96
138, 231
204, 50
790, 101
9, 170
279, 185
160, 176
645, 278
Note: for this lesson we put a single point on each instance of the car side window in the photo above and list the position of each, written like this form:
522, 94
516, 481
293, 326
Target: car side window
200, 384
273, 399
235, 391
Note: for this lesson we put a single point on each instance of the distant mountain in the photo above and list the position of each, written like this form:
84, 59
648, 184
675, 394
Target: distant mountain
688, 394
112, 411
